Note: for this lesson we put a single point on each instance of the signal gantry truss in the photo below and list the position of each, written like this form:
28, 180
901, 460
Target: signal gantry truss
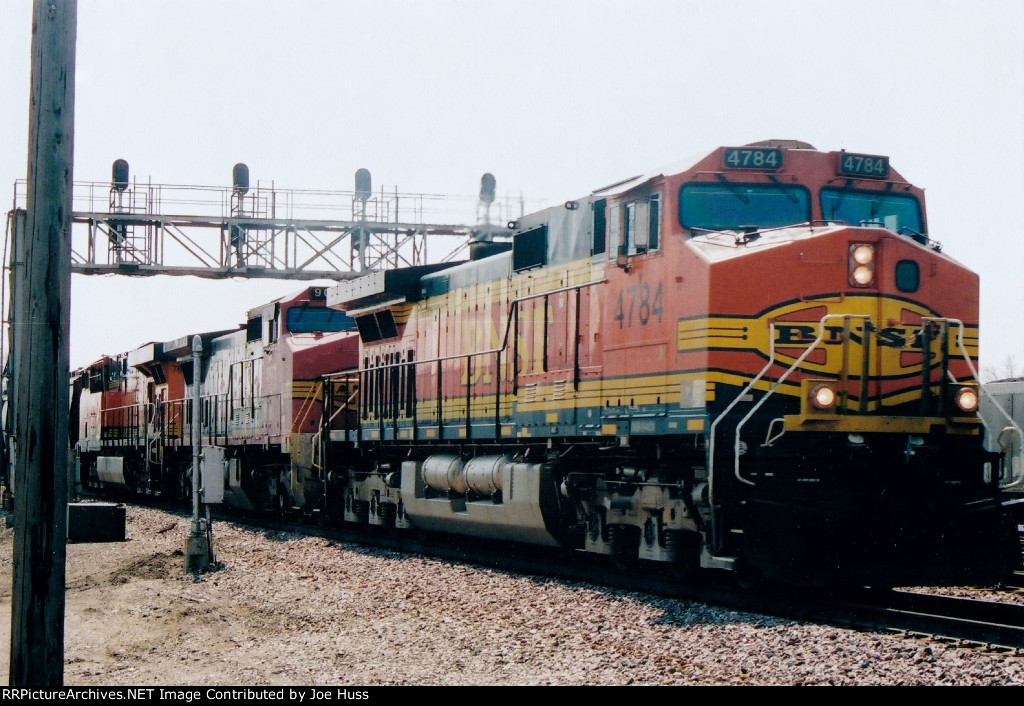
221, 232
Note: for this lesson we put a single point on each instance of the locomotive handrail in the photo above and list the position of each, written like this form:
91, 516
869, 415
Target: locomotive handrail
782, 378
174, 416
992, 399
317, 450
307, 404
769, 439
815, 344
513, 304
121, 417
720, 417
757, 405
512, 315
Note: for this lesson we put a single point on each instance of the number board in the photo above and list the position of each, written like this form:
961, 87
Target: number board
866, 165
753, 158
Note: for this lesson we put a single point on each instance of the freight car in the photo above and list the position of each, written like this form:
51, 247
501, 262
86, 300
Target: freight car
756, 361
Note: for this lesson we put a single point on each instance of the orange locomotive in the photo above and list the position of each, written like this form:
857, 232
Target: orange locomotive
757, 361
128, 422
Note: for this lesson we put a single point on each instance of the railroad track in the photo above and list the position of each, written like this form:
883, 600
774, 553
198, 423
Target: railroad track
1013, 583
968, 623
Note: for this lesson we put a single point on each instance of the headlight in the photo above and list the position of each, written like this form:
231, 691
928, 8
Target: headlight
862, 275
966, 399
822, 396
863, 254
862, 264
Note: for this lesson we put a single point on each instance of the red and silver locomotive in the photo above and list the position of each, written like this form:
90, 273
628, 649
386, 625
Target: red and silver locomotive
260, 409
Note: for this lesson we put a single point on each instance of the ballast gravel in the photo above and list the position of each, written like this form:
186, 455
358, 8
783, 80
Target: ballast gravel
287, 609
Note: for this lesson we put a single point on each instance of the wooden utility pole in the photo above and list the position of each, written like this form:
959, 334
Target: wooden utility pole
41, 358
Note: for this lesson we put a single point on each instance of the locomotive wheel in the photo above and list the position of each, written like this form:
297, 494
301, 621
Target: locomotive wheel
626, 545
747, 577
282, 506
686, 566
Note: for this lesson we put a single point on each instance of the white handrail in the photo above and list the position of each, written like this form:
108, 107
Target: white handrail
720, 417
992, 399
782, 378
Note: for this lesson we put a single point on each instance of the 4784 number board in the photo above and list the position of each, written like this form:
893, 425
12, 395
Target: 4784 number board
753, 158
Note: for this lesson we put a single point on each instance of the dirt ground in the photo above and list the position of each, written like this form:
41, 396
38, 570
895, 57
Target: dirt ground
286, 609
133, 616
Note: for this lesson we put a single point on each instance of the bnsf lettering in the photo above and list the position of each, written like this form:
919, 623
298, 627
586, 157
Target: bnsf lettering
889, 337
895, 337
788, 334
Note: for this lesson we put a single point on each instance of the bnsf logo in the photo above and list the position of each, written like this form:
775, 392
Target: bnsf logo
893, 338
890, 336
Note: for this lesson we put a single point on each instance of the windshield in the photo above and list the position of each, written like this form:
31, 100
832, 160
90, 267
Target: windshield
729, 206
854, 208
309, 319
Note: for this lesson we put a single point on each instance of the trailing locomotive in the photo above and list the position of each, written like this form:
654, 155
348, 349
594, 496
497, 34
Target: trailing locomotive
757, 362
260, 408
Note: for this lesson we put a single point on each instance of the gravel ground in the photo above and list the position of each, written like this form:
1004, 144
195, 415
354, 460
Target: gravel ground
287, 609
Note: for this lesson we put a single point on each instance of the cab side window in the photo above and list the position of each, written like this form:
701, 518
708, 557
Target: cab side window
615, 244
600, 227
641, 225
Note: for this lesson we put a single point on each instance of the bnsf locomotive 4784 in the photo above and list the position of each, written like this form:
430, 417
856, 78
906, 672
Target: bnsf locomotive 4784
757, 361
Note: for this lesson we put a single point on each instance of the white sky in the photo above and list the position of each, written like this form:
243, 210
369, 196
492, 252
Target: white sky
555, 98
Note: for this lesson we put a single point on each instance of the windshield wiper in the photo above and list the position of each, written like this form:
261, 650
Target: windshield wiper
733, 189
792, 197
838, 196
919, 237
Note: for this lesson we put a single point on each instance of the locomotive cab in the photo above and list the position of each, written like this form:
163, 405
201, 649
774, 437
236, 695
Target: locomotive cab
856, 436
263, 400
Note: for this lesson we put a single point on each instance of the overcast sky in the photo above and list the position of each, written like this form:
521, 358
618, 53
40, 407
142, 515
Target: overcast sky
554, 97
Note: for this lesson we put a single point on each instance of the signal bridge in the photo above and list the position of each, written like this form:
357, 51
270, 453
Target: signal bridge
141, 229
